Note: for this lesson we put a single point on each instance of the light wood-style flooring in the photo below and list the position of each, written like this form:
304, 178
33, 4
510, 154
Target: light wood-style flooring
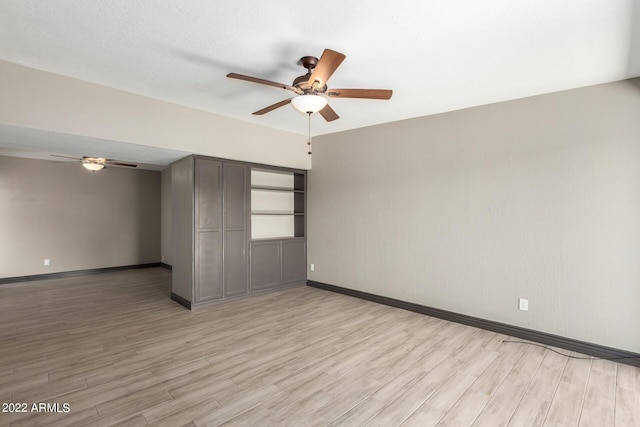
120, 352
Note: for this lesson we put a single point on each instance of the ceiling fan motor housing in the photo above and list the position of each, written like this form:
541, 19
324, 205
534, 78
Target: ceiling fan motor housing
302, 82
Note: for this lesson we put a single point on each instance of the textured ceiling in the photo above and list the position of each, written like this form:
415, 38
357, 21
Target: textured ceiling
38, 144
437, 56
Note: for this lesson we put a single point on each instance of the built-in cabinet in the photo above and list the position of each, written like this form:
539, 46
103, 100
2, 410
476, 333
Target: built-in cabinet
248, 226
276, 262
221, 230
278, 248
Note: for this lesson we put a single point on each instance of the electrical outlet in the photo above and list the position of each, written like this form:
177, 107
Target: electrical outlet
47, 261
523, 304
312, 267
162, 258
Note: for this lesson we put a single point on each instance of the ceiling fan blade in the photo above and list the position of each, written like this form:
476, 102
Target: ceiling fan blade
273, 107
65, 157
328, 63
328, 113
116, 163
263, 82
360, 93
61, 162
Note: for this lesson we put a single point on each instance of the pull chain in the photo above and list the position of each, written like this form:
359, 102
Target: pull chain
309, 141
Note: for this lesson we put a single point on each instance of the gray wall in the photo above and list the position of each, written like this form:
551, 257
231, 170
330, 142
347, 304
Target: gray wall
182, 232
76, 218
467, 211
165, 217
35, 99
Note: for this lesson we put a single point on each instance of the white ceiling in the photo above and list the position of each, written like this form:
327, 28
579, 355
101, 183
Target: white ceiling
39, 144
437, 56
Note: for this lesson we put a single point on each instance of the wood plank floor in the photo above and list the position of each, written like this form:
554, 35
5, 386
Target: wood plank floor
119, 352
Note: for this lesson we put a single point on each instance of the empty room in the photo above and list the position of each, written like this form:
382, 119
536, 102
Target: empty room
196, 230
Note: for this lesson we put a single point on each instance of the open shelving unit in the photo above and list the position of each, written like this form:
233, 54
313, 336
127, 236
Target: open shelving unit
241, 227
277, 204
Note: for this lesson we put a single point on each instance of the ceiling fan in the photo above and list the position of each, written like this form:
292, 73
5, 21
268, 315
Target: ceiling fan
312, 89
95, 164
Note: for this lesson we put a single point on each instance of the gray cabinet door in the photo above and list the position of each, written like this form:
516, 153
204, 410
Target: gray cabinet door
208, 224
208, 283
236, 268
208, 194
235, 197
235, 263
265, 264
294, 261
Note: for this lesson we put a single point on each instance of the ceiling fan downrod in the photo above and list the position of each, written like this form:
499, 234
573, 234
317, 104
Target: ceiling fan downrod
309, 140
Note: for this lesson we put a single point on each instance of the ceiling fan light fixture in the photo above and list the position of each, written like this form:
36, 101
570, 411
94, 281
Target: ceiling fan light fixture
93, 167
309, 103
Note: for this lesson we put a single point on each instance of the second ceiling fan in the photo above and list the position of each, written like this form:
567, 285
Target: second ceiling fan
312, 89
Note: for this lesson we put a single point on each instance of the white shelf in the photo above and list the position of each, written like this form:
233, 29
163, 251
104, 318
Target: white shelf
275, 213
273, 205
271, 179
269, 188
